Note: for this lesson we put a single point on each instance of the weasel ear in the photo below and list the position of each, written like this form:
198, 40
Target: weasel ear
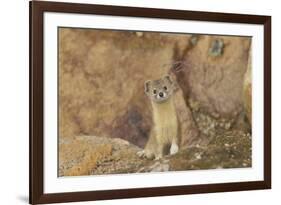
169, 79
147, 87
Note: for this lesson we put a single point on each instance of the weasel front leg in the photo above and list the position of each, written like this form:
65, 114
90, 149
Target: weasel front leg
174, 146
160, 150
149, 150
145, 153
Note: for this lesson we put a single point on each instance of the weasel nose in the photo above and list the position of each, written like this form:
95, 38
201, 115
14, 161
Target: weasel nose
161, 94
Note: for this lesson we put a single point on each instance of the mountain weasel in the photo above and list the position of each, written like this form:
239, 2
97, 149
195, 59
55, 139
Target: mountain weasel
163, 137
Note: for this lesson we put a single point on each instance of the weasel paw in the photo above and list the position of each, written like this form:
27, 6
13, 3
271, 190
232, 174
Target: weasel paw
157, 158
174, 149
141, 153
145, 154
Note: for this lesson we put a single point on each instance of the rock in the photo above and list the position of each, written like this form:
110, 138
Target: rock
139, 34
215, 154
188, 129
247, 90
212, 73
91, 155
193, 40
101, 77
81, 155
86, 155
158, 166
216, 48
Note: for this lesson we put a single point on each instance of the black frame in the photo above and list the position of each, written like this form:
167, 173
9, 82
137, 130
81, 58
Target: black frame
37, 9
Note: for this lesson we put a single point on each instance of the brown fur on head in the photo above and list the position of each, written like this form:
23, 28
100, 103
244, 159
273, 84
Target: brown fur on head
159, 90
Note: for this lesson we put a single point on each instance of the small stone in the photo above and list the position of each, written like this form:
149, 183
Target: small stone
160, 168
198, 156
227, 125
216, 48
139, 34
216, 115
193, 40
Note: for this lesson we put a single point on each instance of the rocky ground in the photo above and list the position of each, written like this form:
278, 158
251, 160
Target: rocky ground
223, 145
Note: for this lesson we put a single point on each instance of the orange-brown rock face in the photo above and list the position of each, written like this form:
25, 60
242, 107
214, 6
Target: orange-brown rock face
213, 73
102, 73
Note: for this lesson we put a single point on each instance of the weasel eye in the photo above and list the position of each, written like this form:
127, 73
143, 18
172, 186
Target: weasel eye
165, 88
154, 91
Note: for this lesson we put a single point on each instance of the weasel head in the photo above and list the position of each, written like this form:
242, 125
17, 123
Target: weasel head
159, 90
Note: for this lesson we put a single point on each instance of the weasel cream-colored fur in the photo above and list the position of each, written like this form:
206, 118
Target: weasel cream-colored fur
164, 137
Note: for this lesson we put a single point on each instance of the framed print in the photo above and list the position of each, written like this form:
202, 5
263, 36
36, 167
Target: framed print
137, 102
